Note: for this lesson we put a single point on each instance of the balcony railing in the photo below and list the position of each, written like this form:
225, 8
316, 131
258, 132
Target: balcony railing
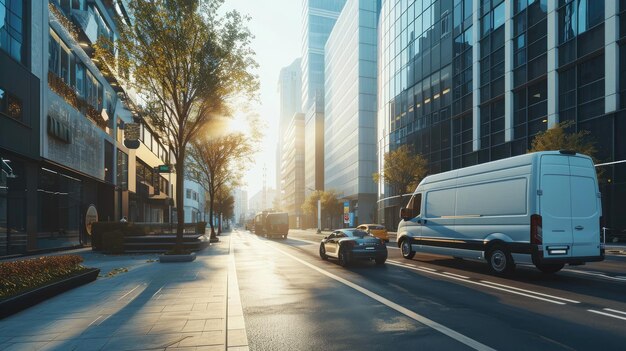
68, 94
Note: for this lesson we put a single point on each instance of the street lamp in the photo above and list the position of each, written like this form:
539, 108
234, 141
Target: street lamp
319, 212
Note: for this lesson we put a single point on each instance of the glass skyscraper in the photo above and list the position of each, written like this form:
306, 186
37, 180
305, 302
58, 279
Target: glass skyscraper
350, 108
318, 20
467, 81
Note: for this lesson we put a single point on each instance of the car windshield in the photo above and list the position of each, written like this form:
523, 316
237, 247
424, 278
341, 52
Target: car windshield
357, 233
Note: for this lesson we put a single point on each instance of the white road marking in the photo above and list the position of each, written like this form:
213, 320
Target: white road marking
607, 314
393, 247
456, 275
531, 292
417, 317
95, 320
135, 288
597, 274
614, 311
481, 284
306, 241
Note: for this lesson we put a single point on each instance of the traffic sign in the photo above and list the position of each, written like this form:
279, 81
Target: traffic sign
163, 169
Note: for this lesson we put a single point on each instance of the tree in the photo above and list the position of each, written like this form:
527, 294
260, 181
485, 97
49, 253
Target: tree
558, 138
224, 205
403, 170
217, 162
188, 62
330, 204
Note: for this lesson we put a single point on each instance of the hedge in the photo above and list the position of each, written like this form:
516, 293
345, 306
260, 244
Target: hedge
19, 276
100, 229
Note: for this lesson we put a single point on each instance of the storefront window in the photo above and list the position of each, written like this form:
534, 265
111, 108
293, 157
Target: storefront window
12, 207
59, 210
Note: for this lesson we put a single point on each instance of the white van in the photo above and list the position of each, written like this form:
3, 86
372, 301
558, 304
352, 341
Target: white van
542, 208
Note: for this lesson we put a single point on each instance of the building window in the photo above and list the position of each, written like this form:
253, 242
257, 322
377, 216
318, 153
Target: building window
12, 28
188, 193
10, 104
195, 196
578, 16
581, 90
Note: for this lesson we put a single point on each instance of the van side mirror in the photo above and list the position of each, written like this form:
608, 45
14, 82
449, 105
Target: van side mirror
406, 213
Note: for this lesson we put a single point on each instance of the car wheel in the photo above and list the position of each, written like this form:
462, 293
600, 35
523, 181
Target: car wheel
380, 260
323, 252
344, 257
407, 250
500, 261
550, 268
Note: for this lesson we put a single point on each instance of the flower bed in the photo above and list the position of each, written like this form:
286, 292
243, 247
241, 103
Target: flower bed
19, 276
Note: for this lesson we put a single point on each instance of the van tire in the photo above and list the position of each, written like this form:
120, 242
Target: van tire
500, 260
549, 268
406, 249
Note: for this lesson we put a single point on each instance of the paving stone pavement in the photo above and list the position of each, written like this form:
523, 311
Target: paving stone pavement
152, 306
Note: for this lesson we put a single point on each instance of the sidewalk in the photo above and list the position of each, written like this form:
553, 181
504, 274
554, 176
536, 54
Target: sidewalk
152, 305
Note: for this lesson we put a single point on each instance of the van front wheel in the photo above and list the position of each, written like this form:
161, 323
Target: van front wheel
407, 250
500, 260
550, 268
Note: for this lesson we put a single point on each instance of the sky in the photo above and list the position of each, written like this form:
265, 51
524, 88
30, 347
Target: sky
276, 25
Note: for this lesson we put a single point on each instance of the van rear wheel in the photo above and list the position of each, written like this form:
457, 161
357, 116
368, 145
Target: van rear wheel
500, 260
550, 268
407, 250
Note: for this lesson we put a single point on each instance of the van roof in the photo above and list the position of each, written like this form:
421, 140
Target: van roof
510, 162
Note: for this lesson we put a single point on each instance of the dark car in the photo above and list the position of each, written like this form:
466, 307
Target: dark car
351, 244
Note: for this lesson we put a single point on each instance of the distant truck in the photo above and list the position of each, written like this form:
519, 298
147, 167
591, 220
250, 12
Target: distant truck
272, 224
542, 208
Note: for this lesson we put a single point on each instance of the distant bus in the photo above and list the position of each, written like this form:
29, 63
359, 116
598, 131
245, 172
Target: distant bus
272, 224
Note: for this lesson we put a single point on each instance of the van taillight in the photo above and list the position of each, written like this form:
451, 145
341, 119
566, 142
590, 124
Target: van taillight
536, 234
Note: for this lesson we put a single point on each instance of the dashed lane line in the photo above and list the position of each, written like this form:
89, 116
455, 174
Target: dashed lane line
478, 283
607, 314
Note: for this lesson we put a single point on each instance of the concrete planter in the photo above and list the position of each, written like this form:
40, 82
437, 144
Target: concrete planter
177, 258
32, 297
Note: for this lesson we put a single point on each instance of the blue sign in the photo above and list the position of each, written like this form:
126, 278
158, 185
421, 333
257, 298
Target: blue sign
351, 219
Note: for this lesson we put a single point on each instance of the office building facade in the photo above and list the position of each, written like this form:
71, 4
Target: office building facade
290, 95
293, 171
465, 82
64, 163
350, 108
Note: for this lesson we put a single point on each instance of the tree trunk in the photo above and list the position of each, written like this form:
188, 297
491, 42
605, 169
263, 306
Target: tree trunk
180, 198
219, 224
211, 215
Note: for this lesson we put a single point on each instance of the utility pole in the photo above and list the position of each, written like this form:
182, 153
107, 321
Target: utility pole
264, 202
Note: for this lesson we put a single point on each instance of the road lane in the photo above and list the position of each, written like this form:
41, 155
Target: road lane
289, 306
532, 322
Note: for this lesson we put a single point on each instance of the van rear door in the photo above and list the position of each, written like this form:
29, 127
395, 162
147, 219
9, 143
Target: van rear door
586, 208
555, 206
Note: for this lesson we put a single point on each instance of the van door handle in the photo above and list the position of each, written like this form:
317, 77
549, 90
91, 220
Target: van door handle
579, 227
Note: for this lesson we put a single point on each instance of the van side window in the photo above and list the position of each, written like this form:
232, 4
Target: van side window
415, 204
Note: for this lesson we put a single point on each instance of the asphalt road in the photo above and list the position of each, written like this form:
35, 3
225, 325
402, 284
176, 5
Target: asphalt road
293, 300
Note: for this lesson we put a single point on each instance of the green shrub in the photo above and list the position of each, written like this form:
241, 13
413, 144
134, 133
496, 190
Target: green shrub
100, 229
18, 276
113, 242
201, 228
